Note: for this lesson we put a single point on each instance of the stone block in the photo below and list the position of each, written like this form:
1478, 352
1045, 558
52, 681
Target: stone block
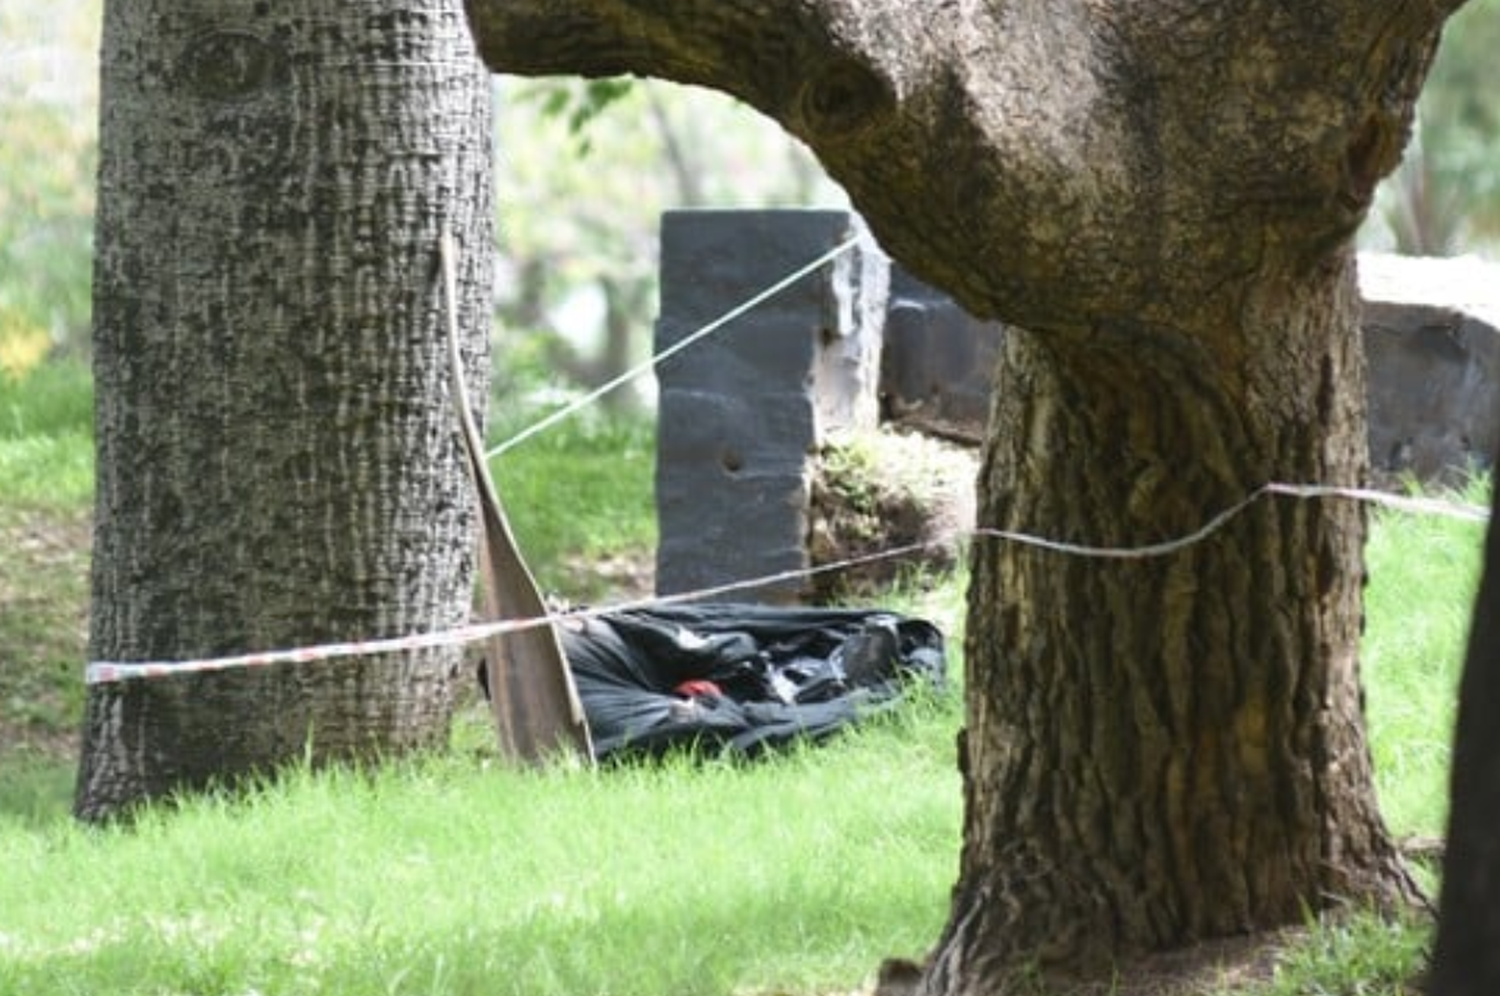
1433, 359
742, 411
937, 363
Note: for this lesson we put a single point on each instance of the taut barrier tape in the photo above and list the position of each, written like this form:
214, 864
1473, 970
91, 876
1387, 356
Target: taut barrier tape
677, 347
107, 672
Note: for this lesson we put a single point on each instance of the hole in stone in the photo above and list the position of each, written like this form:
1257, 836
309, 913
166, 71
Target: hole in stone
732, 461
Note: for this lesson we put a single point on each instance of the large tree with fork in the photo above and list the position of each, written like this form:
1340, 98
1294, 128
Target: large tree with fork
1159, 198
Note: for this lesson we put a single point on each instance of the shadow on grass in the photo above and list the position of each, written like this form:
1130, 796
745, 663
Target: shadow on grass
35, 789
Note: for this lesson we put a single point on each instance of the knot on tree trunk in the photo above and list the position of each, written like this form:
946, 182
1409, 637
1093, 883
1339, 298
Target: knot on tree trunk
843, 99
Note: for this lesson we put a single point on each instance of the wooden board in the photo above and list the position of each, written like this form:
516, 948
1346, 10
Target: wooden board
536, 707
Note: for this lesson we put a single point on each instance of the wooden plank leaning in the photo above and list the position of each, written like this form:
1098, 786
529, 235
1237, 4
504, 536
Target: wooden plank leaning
535, 703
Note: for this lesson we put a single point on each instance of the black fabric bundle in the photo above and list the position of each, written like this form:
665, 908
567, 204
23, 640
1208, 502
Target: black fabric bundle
741, 677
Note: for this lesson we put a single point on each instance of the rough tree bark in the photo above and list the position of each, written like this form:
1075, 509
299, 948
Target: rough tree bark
1160, 198
277, 463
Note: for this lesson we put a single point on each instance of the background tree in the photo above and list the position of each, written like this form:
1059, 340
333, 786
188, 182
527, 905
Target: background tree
277, 463
47, 161
1161, 198
1445, 198
577, 295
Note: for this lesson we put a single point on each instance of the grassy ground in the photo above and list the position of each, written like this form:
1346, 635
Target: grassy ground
446, 875
1423, 574
46, 481
580, 498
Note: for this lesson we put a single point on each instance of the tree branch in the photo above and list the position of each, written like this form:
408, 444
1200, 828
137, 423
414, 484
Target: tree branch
1049, 163
803, 65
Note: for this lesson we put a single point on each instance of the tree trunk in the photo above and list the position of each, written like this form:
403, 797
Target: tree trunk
1161, 196
1168, 748
277, 459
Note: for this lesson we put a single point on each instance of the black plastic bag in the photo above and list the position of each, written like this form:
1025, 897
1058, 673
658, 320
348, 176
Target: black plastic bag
741, 677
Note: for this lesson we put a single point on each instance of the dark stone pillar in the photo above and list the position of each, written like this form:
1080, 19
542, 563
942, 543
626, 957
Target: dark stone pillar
1434, 365
937, 363
743, 410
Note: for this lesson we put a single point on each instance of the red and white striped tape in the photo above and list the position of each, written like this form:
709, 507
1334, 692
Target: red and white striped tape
106, 672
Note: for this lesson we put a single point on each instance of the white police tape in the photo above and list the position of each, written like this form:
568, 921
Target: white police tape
674, 349
1405, 503
103, 672
106, 672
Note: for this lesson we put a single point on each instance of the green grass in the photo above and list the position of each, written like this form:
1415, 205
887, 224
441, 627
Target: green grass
35, 790
446, 876
1423, 575
1360, 954
46, 483
54, 399
47, 438
579, 496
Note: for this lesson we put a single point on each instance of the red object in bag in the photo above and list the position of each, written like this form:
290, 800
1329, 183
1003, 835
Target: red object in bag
699, 688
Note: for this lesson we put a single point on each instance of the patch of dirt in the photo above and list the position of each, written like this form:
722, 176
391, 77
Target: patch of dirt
44, 583
618, 577
1228, 965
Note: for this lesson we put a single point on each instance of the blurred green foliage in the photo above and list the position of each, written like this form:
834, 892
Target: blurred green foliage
48, 151
586, 169
1445, 198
